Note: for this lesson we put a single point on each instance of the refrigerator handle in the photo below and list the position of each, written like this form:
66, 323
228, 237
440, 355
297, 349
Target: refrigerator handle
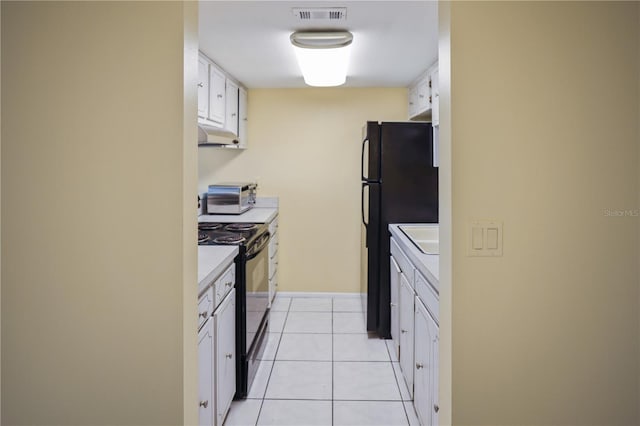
364, 222
364, 178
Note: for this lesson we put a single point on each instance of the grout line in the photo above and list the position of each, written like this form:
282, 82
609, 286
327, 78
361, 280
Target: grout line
273, 364
298, 399
340, 400
397, 383
332, 365
370, 400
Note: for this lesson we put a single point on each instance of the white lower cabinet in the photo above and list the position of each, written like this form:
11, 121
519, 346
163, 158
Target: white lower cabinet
418, 338
407, 298
224, 319
425, 394
273, 259
205, 374
217, 350
395, 313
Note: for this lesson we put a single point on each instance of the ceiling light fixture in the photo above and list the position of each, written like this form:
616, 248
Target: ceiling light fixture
323, 56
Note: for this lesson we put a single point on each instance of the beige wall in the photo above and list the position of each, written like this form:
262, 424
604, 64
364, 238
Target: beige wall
445, 213
544, 119
304, 147
95, 173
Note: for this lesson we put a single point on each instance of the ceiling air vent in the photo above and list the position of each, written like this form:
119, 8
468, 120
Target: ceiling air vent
320, 14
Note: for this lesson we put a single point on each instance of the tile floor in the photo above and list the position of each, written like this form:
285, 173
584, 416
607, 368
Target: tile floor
320, 367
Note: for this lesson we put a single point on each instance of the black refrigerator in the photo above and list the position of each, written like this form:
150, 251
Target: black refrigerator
399, 185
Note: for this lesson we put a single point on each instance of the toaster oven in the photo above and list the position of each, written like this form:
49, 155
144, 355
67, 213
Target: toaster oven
231, 197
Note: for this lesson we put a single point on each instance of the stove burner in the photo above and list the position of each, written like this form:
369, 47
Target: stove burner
209, 226
202, 237
241, 227
229, 239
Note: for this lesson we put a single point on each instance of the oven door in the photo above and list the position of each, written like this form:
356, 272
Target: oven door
257, 285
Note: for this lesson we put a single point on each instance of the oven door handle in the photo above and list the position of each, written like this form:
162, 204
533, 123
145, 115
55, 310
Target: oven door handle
259, 247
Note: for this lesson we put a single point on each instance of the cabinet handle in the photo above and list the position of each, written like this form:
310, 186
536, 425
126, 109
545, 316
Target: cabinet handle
429, 99
219, 96
393, 304
204, 404
229, 356
429, 83
244, 119
200, 84
421, 96
233, 114
229, 284
404, 331
419, 366
204, 314
410, 103
436, 408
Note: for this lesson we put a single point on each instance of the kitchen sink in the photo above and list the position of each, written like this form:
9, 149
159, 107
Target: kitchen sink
425, 237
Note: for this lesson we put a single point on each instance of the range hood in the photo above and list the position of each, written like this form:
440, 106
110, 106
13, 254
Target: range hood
215, 136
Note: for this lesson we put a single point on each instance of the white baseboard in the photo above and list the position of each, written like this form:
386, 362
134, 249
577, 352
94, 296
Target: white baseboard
319, 294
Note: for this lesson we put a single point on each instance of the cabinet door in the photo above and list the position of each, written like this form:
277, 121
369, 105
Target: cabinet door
205, 374
225, 363
435, 98
435, 364
243, 117
413, 101
231, 95
217, 87
395, 314
406, 331
422, 393
203, 88
423, 95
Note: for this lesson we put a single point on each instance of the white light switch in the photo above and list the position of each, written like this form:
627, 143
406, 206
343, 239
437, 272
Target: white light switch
492, 238
485, 238
476, 238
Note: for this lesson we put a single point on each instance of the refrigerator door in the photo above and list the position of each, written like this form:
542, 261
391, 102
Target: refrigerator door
370, 251
409, 180
370, 159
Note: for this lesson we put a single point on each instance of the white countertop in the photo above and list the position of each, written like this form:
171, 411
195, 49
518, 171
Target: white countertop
427, 264
212, 261
254, 215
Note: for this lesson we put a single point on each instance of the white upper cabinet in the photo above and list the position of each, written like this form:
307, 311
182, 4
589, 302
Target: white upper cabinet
413, 101
203, 88
217, 90
423, 93
231, 120
222, 106
423, 96
243, 117
435, 97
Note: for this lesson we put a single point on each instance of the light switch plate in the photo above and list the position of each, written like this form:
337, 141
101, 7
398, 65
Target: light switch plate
484, 238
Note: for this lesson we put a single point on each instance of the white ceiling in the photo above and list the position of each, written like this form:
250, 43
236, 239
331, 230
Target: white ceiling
394, 41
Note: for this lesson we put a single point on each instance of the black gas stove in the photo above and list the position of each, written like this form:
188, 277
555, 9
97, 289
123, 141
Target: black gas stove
252, 291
